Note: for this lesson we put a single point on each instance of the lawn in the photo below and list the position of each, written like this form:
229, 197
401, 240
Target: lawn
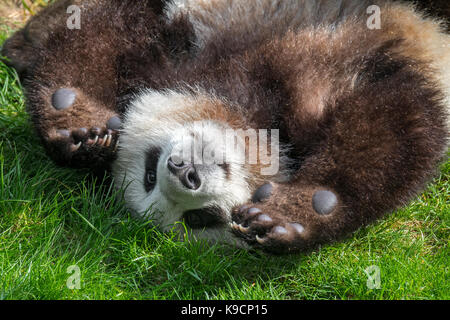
56, 224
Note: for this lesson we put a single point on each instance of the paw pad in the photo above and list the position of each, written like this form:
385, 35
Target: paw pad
279, 230
297, 227
63, 98
262, 193
251, 211
79, 134
114, 123
324, 202
264, 218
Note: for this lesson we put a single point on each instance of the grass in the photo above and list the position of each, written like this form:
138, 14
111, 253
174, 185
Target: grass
53, 218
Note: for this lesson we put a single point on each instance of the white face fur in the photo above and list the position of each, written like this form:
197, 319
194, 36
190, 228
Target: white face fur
160, 185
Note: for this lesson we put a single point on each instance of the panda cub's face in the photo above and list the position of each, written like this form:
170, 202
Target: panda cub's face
170, 169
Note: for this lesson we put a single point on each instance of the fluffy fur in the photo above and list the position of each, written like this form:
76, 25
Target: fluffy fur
362, 114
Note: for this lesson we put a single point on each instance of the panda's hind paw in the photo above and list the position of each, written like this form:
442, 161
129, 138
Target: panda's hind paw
289, 218
81, 147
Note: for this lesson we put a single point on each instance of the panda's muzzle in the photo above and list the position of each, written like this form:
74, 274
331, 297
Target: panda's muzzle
186, 173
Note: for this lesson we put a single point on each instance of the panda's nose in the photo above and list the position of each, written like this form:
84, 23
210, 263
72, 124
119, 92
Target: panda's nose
186, 172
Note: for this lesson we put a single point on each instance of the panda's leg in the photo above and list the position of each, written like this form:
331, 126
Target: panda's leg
71, 98
72, 88
22, 48
382, 144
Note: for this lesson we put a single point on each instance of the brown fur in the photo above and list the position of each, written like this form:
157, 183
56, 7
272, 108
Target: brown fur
23, 47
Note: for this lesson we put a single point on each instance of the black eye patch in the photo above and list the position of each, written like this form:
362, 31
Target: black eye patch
151, 165
204, 218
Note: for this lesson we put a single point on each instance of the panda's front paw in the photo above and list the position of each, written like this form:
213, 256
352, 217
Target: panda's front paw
261, 228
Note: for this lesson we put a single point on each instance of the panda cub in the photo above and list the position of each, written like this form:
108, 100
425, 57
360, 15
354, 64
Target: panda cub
278, 125
357, 119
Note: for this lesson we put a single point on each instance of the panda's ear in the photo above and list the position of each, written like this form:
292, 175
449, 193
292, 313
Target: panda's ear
18, 53
25, 46
382, 62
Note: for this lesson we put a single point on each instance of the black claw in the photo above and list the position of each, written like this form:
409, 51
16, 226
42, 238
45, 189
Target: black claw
324, 202
262, 193
63, 98
114, 123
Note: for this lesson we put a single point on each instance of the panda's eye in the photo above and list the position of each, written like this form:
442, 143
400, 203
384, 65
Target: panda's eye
151, 165
151, 178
